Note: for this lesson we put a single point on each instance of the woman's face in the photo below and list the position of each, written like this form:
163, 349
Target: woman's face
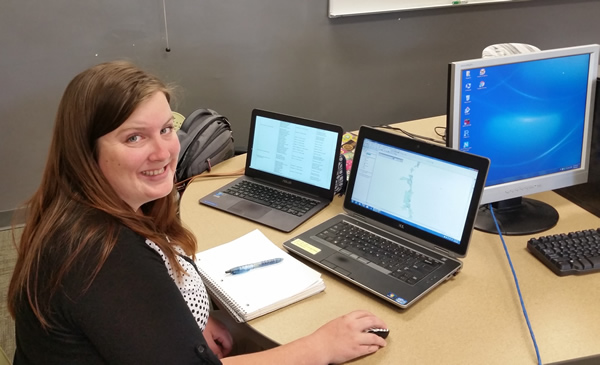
140, 157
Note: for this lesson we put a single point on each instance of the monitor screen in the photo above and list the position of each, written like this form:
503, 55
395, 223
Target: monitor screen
531, 115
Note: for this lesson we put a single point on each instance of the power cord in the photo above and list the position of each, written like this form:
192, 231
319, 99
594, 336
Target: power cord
416, 136
181, 185
441, 134
537, 351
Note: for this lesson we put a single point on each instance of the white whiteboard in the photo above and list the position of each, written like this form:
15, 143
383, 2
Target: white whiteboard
339, 8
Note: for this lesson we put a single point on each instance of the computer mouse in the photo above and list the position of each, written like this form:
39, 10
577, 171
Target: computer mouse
381, 332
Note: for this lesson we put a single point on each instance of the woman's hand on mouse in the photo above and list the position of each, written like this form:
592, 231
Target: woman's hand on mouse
345, 337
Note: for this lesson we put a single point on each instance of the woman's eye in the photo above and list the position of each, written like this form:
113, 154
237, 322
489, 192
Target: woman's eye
133, 138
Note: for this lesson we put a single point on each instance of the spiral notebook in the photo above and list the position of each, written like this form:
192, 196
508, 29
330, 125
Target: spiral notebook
261, 290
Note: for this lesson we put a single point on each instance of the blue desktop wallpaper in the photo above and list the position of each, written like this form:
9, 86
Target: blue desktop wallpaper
527, 118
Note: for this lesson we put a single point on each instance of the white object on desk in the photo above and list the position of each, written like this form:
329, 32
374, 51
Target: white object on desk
261, 290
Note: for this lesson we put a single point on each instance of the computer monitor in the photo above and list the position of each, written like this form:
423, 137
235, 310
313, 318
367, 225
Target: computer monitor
531, 115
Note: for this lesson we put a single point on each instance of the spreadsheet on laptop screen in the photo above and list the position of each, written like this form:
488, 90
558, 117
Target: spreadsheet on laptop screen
425, 192
294, 151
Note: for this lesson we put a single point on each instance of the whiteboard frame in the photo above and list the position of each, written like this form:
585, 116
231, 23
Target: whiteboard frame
343, 8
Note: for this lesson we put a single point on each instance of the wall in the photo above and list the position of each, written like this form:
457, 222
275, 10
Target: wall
232, 56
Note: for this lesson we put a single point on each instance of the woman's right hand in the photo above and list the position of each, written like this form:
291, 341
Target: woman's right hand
338, 341
345, 337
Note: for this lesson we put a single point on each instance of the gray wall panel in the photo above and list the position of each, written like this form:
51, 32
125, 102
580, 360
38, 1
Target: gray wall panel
232, 56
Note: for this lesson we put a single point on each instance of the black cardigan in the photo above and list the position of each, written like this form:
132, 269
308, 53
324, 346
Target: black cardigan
133, 313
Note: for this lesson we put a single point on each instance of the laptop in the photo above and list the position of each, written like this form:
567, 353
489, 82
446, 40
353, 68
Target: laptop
409, 209
290, 174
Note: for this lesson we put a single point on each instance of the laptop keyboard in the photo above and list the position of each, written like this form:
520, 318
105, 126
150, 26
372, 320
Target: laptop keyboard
398, 261
277, 199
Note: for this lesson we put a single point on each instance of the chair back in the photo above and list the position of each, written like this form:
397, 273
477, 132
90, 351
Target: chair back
177, 120
3, 358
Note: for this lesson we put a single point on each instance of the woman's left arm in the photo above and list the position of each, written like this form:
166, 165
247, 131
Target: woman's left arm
218, 337
134, 313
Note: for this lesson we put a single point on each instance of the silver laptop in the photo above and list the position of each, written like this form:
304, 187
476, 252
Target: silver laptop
290, 173
409, 213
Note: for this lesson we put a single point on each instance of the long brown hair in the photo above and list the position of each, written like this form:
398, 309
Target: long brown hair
75, 211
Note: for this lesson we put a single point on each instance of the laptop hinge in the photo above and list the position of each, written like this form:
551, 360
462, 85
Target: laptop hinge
290, 189
442, 251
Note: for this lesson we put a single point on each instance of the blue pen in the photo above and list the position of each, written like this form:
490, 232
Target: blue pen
244, 268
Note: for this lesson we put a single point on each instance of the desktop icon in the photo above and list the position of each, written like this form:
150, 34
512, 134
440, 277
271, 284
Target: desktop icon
482, 72
481, 84
467, 98
466, 133
468, 86
467, 122
467, 110
466, 145
468, 73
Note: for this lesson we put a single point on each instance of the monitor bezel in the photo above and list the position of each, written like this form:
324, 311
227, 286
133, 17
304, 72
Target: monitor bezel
520, 188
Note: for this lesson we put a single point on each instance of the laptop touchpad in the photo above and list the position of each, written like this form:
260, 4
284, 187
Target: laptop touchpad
342, 263
249, 209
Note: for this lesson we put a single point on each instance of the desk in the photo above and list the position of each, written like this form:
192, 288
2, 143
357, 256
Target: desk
474, 318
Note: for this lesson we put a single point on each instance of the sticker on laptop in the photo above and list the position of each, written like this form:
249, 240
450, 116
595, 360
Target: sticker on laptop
306, 246
396, 298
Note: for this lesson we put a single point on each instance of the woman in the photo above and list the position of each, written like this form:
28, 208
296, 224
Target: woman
103, 273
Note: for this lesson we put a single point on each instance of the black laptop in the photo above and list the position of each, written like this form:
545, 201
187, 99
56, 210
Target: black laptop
409, 213
290, 173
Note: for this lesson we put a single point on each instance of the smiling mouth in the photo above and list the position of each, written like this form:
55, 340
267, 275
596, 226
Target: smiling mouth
153, 172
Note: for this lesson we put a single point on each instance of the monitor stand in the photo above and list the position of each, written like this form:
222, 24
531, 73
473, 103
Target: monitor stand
517, 216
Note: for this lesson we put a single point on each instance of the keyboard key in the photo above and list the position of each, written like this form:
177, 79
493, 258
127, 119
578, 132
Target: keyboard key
595, 260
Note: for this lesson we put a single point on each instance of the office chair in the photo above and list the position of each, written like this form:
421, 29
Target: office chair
177, 120
3, 358
507, 49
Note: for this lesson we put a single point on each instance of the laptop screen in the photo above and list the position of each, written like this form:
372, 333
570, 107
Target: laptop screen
294, 151
427, 193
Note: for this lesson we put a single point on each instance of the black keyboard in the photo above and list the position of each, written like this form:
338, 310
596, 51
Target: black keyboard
398, 261
568, 253
280, 200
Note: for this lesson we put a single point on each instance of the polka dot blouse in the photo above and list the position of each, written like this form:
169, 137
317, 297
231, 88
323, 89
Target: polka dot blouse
191, 285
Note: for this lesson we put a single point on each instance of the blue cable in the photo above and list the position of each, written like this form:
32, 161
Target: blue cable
537, 351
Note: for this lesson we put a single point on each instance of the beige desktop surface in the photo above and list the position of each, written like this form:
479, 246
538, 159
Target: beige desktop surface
474, 318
